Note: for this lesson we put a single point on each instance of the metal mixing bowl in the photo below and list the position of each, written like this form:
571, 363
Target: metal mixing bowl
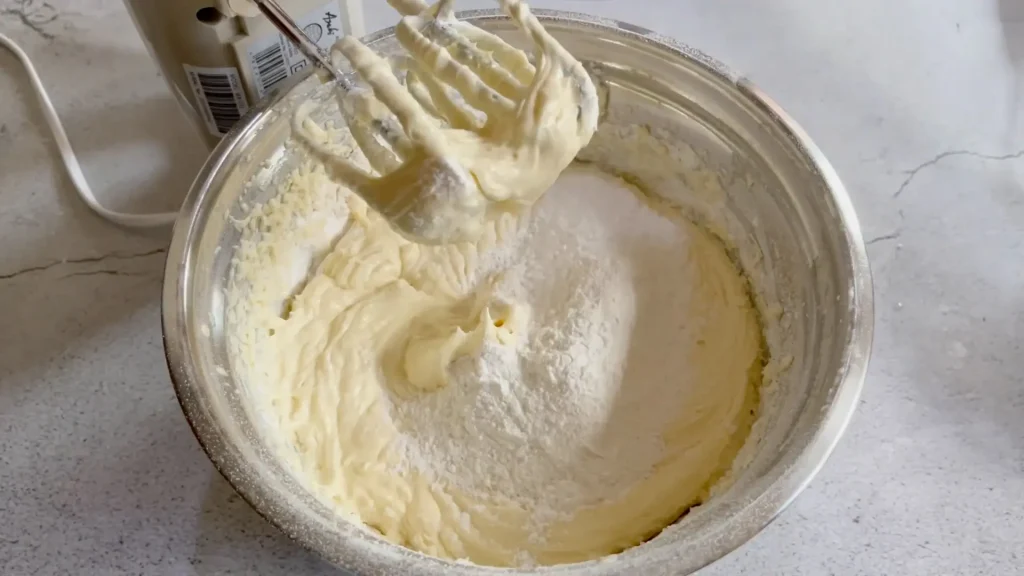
786, 200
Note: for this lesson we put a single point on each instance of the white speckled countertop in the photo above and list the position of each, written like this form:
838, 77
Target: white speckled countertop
918, 103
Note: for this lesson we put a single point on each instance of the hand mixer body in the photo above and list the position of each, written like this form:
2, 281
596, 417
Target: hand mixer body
222, 56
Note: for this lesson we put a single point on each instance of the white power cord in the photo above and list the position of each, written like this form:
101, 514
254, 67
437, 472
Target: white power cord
67, 154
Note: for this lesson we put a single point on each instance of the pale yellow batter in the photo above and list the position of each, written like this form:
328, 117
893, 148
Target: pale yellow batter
380, 322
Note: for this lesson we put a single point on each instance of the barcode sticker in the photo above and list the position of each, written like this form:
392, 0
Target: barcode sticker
272, 59
219, 95
271, 68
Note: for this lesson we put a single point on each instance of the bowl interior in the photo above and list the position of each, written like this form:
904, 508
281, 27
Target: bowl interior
779, 207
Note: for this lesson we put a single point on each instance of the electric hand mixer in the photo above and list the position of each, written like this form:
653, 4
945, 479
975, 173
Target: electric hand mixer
218, 57
420, 190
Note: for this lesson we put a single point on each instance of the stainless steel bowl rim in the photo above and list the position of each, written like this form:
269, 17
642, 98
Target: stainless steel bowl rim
774, 499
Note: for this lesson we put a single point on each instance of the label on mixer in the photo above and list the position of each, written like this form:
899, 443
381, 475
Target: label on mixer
219, 96
272, 59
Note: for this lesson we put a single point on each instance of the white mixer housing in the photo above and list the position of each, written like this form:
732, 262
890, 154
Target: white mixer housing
222, 56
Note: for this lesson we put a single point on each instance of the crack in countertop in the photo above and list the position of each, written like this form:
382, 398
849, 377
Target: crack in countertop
104, 272
86, 260
33, 15
890, 236
948, 154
